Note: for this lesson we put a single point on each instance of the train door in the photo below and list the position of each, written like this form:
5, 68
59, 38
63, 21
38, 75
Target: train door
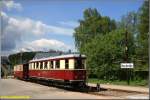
25, 71
69, 68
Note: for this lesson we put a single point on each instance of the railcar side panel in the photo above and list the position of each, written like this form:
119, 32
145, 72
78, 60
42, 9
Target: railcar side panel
18, 74
59, 74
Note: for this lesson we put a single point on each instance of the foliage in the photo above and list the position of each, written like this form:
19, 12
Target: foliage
118, 82
92, 25
102, 40
19, 58
142, 37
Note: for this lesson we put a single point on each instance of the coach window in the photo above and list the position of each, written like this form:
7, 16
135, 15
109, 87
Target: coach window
37, 64
57, 64
45, 66
29, 65
41, 65
14, 68
79, 63
66, 64
51, 64
34, 65
19, 68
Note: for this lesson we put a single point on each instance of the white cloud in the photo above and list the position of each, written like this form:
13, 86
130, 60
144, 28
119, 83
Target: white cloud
10, 4
43, 45
17, 30
60, 30
27, 25
69, 23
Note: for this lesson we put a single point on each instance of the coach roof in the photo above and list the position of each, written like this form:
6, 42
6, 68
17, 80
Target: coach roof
59, 57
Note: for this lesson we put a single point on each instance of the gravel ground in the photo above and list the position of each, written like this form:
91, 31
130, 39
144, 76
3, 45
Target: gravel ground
123, 95
124, 88
11, 87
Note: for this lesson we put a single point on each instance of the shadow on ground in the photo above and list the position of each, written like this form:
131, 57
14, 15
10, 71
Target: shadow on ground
67, 87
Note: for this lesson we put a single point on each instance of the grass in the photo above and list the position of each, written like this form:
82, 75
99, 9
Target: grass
118, 82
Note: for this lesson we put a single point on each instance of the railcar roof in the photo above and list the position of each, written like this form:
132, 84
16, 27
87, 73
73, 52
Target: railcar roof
57, 57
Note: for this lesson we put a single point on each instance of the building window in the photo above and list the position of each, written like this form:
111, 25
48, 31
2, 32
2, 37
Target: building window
45, 66
41, 65
57, 64
66, 64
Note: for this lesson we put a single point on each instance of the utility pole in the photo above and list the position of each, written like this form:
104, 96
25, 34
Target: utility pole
126, 46
126, 55
21, 57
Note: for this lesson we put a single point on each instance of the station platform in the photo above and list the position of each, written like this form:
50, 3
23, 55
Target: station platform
137, 89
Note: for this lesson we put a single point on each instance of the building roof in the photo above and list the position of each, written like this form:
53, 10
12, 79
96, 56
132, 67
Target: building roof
41, 55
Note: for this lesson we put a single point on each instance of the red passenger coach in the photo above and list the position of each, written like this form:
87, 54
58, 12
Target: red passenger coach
68, 68
21, 71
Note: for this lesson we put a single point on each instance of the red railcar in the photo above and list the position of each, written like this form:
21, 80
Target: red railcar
21, 71
69, 68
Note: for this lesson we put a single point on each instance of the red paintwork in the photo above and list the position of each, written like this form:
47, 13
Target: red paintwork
18, 74
59, 74
22, 74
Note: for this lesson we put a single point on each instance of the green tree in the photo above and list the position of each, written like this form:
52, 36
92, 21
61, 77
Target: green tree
105, 52
91, 25
19, 58
129, 22
103, 42
142, 37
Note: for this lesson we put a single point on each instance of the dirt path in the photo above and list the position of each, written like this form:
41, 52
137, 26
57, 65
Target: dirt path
123, 88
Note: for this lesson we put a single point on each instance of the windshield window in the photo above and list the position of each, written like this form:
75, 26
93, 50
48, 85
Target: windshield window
79, 63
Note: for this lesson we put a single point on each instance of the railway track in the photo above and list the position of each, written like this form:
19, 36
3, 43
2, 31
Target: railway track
93, 90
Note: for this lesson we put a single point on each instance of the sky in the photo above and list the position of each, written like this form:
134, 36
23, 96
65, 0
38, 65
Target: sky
41, 25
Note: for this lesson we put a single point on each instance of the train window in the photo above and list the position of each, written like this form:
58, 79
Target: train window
51, 64
57, 64
66, 64
37, 65
31, 66
20, 68
45, 66
34, 65
79, 63
41, 65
